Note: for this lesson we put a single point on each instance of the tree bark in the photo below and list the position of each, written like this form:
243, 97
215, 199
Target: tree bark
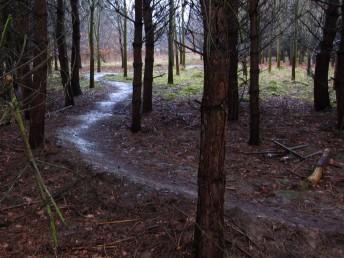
97, 34
91, 42
233, 92
321, 94
208, 235
294, 43
62, 49
309, 64
170, 42
182, 54
176, 50
125, 42
149, 56
137, 80
254, 74
75, 57
40, 36
339, 78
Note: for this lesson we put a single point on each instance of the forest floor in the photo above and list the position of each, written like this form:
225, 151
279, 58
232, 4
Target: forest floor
147, 209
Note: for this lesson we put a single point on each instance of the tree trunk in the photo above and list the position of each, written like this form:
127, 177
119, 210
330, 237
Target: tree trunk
254, 74
339, 78
294, 45
98, 39
309, 64
321, 94
233, 92
208, 235
91, 42
39, 86
125, 42
170, 42
137, 80
62, 49
283, 56
176, 50
182, 56
75, 57
56, 65
149, 56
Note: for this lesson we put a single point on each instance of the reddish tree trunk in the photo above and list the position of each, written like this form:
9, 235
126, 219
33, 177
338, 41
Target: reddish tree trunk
75, 57
149, 57
254, 73
40, 36
233, 93
321, 94
137, 80
208, 235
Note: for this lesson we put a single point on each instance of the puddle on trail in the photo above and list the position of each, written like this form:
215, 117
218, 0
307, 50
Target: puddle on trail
102, 110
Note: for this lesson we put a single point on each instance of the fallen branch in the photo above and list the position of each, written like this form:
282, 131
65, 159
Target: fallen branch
336, 164
320, 168
276, 151
288, 149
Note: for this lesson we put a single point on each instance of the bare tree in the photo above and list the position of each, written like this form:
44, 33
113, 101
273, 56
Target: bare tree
149, 56
208, 235
137, 80
62, 50
75, 56
321, 94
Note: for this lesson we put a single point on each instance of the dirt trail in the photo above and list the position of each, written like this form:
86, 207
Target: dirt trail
88, 135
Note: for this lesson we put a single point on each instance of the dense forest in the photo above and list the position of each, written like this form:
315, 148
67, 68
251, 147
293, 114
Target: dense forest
171, 128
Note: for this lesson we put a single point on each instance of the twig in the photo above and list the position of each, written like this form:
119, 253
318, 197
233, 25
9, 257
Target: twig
288, 149
116, 222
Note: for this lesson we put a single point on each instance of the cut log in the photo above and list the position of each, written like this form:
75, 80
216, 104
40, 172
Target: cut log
320, 168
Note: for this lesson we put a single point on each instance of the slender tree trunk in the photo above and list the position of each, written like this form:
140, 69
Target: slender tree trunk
182, 56
125, 42
309, 64
56, 65
233, 92
283, 56
278, 52
254, 74
91, 42
62, 49
137, 81
75, 57
149, 58
170, 42
294, 51
339, 78
208, 235
176, 51
321, 94
98, 39
39, 86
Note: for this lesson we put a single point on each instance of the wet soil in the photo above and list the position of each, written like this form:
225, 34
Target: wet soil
270, 209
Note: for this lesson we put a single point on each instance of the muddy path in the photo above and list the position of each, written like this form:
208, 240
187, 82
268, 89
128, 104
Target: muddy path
88, 134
